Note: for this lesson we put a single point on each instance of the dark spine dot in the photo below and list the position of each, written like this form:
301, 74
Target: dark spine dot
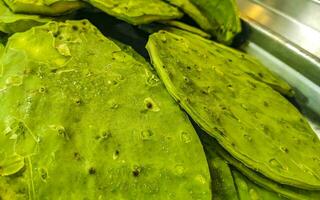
149, 105
75, 28
77, 156
92, 171
136, 173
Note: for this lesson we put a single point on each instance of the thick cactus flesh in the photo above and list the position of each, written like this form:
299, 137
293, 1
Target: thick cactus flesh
247, 190
186, 27
220, 18
257, 125
229, 184
11, 22
289, 192
138, 11
44, 7
85, 121
223, 186
1, 49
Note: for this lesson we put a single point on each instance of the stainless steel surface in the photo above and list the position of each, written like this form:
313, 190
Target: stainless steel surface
303, 11
287, 41
290, 31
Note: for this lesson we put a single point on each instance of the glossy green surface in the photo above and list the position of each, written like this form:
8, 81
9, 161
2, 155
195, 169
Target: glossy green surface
186, 27
138, 11
286, 191
220, 18
237, 60
44, 7
230, 184
11, 22
85, 121
248, 190
254, 123
1, 49
223, 186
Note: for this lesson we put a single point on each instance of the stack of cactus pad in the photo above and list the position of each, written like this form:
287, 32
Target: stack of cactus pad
85, 116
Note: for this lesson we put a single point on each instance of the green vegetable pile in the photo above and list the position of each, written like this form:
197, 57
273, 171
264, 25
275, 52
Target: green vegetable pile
83, 115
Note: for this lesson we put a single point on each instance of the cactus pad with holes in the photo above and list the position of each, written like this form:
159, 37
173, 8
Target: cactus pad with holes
85, 121
253, 122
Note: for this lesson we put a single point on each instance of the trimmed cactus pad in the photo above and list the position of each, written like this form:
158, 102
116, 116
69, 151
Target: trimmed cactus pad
44, 7
11, 22
85, 121
211, 146
138, 11
253, 122
218, 17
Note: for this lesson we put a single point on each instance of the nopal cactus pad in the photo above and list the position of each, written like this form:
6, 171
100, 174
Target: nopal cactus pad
257, 125
138, 11
85, 121
219, 18
237, 60
44, 7
11, 22
294, 193
229, 183
248, 190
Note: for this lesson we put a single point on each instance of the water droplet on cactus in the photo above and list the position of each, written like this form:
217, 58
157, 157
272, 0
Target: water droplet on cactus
146, 135
14, 80
152, 80
92, 171
276, 164
163, 38
63, 49
247, 137
253, 194
185, 137
179, 170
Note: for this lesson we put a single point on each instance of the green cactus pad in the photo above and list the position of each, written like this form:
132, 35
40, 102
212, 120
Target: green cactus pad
223, 186
220, 18
186, 27
257, 125
85, 121
44, 7
1, 49
241, 61
11, 22
230, 184
171, 26
191, 10
290, 192
138, 11
248, 190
